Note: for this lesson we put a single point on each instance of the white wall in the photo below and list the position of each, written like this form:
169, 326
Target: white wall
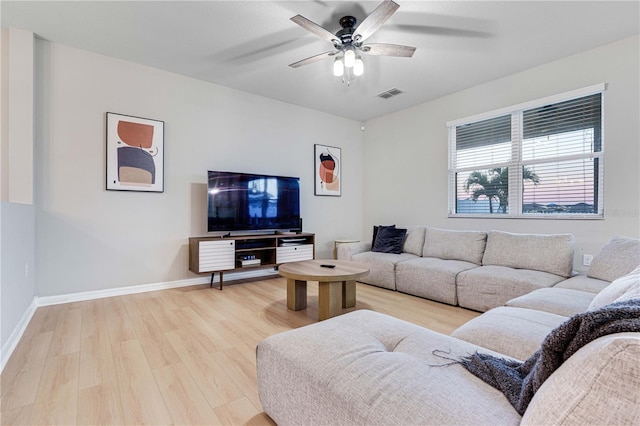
17, 213
92, 239
406, 155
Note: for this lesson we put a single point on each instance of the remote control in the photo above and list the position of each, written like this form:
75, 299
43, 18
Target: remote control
328, 266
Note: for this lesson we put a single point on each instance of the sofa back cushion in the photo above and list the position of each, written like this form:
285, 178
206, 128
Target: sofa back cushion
623, 288
596, 385
618, 257
546, 253
414, 241
455, 245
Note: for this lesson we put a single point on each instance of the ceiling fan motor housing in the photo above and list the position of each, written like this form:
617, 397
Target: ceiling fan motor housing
345, 35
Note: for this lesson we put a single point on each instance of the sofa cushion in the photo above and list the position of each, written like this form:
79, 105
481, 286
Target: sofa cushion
618, 257
597, 385
389, 240
488, 287
560, 301
583, 283
467, 246
546, 253
516, 332
414, 240
382, 272
430, 278
366, 368
623, 288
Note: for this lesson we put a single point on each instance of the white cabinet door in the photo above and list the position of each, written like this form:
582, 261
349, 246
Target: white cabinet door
217, 255
294, 253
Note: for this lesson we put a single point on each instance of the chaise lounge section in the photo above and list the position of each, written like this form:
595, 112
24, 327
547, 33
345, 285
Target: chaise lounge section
366, 368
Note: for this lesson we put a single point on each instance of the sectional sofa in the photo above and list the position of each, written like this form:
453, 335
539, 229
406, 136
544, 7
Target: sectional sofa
474, 269
366, 368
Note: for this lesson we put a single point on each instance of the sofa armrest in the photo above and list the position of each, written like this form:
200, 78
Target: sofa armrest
344, 251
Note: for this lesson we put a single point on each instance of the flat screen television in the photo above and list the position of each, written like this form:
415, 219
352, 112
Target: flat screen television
252, 202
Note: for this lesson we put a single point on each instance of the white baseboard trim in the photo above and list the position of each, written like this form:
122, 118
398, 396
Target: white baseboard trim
16, 335
143, 288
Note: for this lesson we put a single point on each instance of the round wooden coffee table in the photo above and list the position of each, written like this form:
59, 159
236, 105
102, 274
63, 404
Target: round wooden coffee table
336, 286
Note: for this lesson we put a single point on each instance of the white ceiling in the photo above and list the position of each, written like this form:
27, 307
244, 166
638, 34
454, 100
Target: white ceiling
248, 45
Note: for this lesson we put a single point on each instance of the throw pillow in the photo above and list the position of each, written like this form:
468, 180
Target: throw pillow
617, 258
375, 232
389, 240
621, 288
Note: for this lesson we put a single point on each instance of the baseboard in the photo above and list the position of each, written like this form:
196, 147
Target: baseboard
122, 291
16, 335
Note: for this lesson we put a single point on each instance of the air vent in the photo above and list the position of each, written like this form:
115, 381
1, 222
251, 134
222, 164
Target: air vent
389, 93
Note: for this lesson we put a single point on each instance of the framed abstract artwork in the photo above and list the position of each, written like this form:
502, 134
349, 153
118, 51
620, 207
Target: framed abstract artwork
328, 176
135, 153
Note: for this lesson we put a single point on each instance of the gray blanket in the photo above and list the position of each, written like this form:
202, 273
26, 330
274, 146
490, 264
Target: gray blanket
519, 381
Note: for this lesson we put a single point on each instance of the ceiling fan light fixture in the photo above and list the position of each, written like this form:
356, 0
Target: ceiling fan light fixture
349, 56
358, 66
338, 67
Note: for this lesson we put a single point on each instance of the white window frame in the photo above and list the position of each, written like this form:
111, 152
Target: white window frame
516, 163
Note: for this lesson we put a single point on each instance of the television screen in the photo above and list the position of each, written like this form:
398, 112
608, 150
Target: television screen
250, 202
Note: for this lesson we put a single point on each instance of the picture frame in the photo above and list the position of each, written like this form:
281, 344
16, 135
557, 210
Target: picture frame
328, 170
134, 153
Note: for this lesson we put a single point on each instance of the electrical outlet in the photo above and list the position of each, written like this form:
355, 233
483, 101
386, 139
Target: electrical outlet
586, 259
26, 270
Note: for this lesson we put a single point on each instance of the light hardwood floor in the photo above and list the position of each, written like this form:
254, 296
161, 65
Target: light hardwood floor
181, 356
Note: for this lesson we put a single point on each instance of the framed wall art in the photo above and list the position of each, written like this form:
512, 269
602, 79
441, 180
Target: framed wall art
328, 168
135, 153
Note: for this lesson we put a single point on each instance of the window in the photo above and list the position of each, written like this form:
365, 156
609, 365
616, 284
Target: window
539, 159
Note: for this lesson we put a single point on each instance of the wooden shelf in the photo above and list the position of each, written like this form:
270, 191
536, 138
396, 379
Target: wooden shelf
215, 254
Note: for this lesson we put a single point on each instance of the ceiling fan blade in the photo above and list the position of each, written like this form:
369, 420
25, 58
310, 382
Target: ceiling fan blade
383, 49
313, 59
374, 21
316, 29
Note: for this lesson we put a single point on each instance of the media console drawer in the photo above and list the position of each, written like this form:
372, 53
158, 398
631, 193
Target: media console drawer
216, 255
294, 253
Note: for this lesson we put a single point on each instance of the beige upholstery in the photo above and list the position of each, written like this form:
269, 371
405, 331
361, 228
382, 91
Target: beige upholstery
598, 385
560, 301
414, 241
383, 267
546, 253
516, 332
618, 257
583, 283
366, 368
622, 288
430, 278
484, 288
455, 245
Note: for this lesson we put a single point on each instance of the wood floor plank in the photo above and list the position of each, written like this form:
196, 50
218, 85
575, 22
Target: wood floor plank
184, 400
57, 399
140, 397
178, 356
241, 412
212, 379
100, 404
157, 348
20, 383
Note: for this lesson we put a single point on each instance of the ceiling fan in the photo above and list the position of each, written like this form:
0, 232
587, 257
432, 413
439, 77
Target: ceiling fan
348, 42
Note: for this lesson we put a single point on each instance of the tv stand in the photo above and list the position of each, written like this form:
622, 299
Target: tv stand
243, 252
